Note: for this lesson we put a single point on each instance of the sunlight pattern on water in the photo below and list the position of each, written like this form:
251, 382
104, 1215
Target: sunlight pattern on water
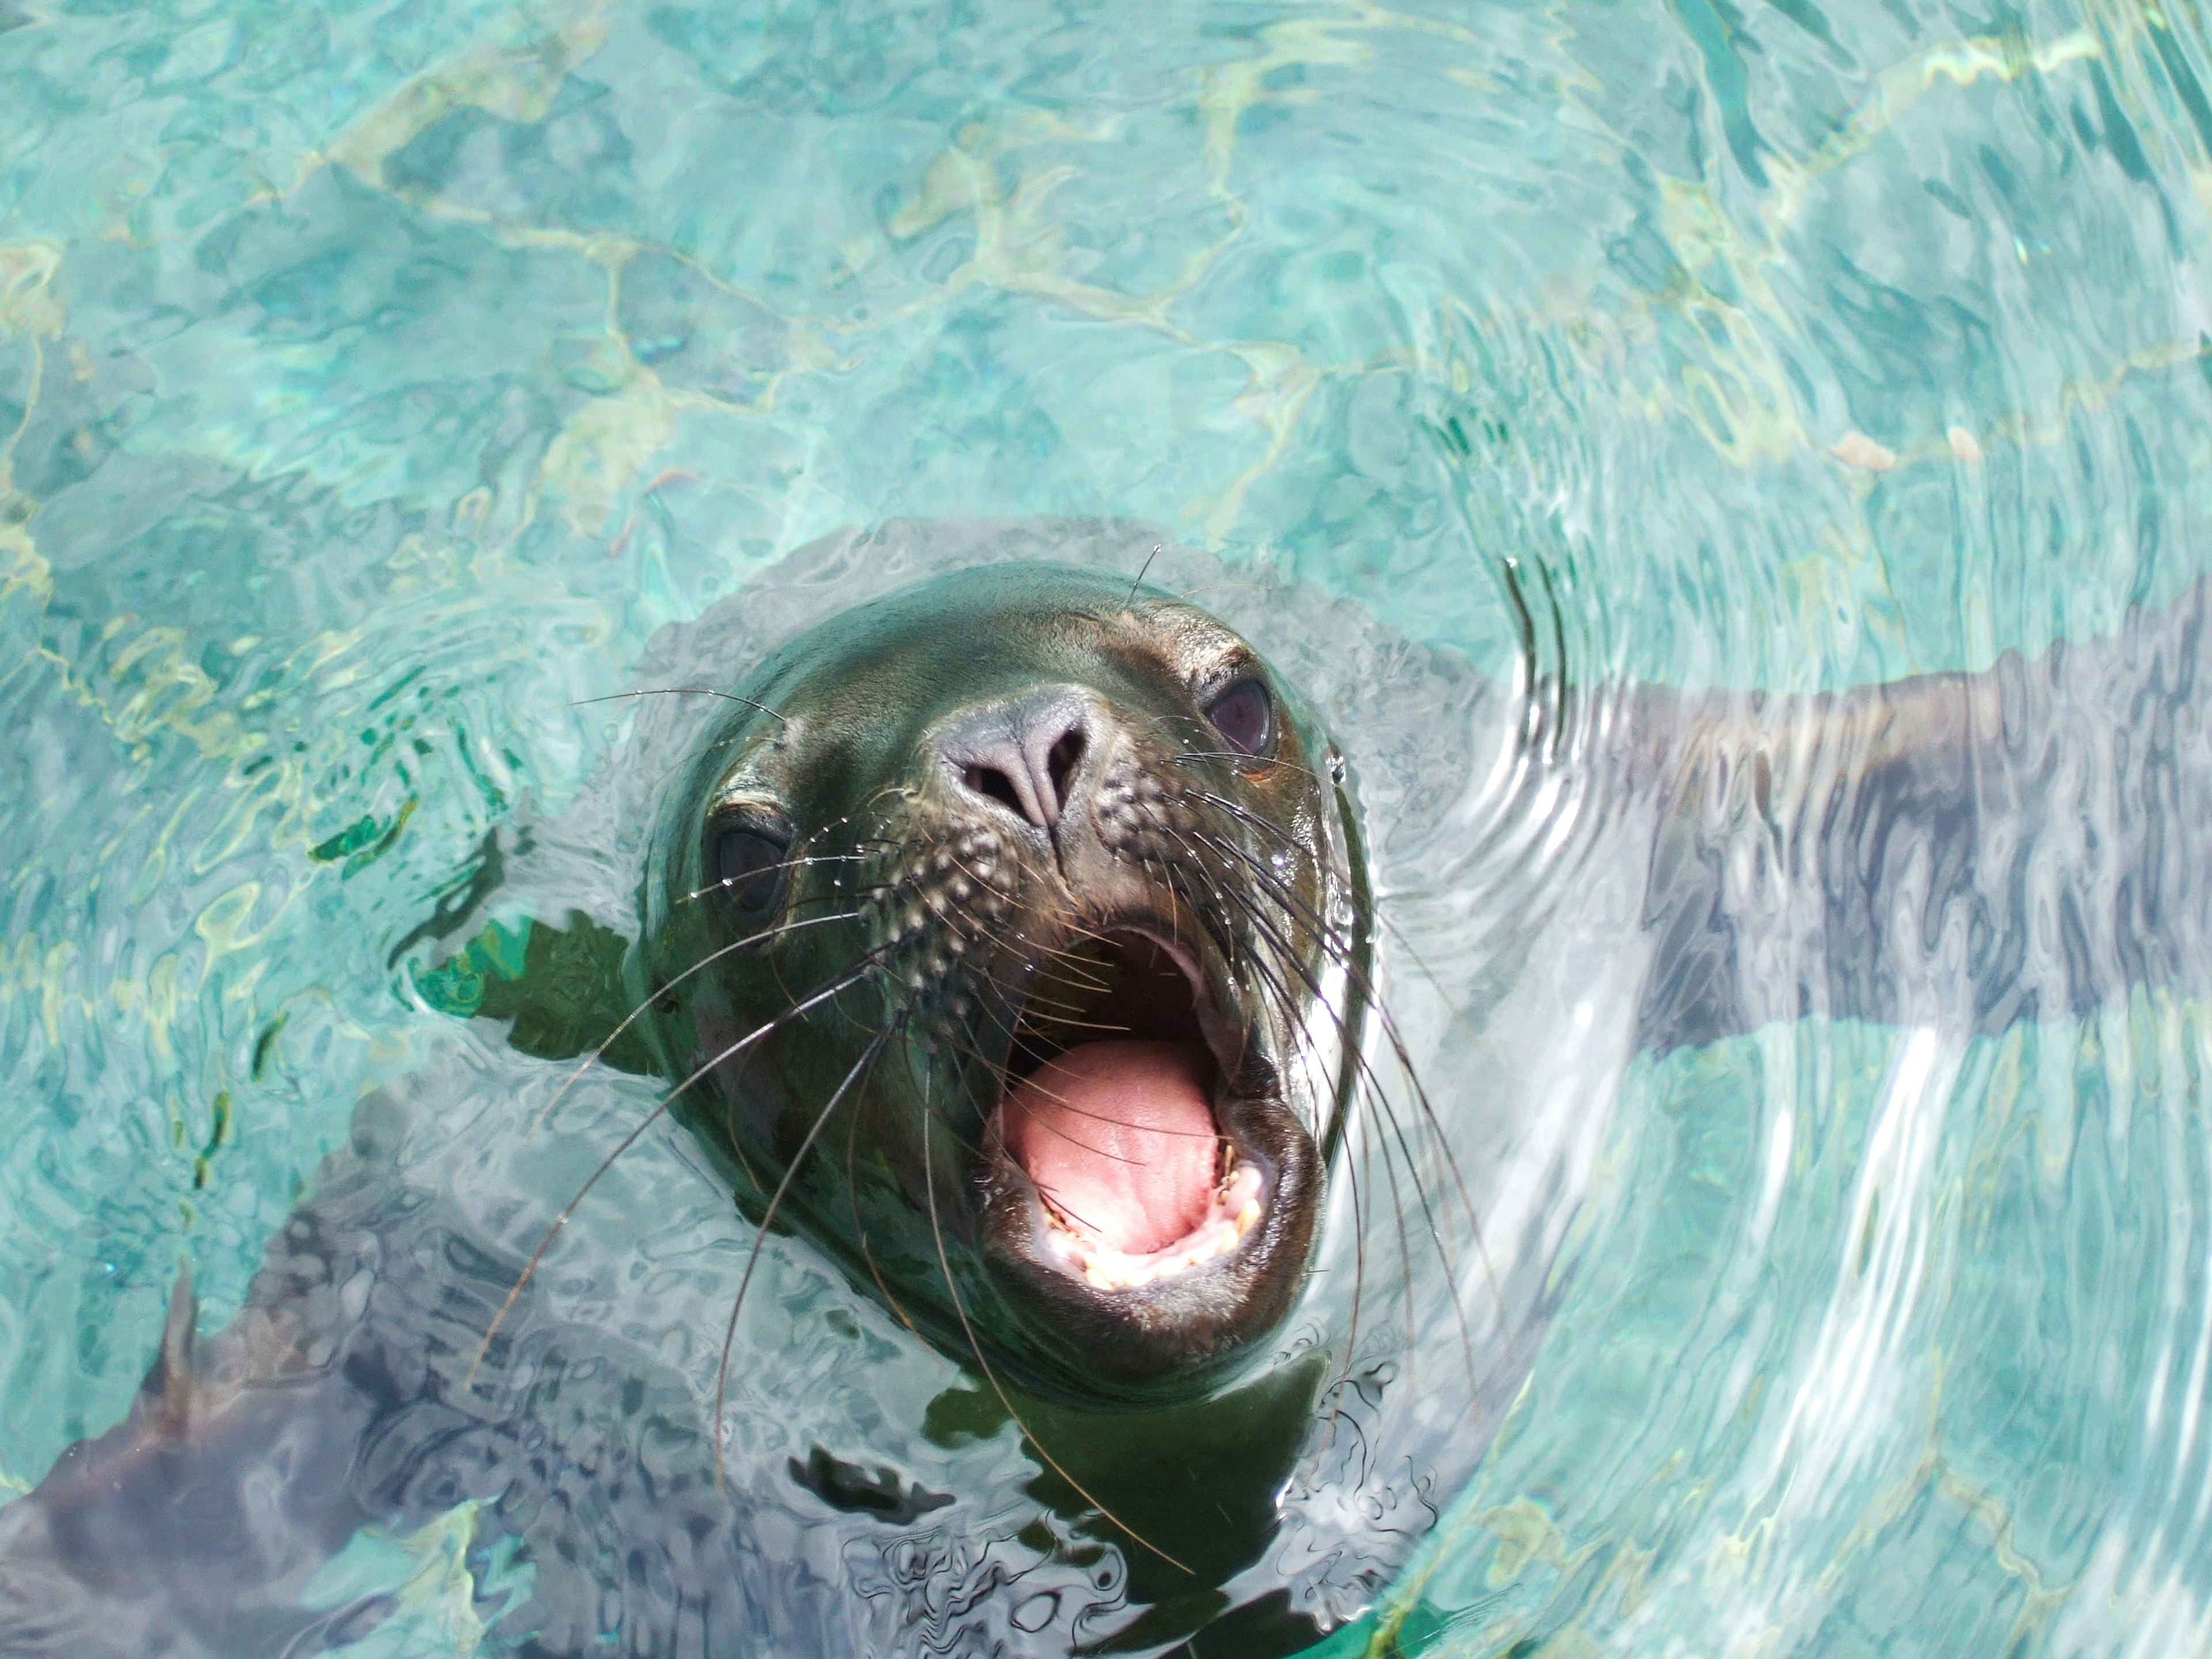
379, 377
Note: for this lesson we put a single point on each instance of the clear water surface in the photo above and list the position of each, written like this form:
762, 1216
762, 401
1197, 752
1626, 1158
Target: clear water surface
377, 378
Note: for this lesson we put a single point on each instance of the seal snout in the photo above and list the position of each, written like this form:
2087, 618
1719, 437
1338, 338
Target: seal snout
1024, 754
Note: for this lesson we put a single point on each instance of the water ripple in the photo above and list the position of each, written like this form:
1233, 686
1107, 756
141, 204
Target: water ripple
377, 378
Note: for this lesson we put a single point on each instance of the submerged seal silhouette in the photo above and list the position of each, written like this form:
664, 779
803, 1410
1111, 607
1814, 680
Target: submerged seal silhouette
1011, 929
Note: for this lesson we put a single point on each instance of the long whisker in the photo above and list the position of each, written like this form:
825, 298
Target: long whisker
970, 1049
631, 1018
1257, 919
1069, 1107
630, 1140
1091, 1025
959, 1306
1246, 816
1141, 569
678, 691
1243, 759
1406, 1246
1370, 1086
806, 861
860, 1227
1277, 888
1031, 1113
1353, 1168
767, 1219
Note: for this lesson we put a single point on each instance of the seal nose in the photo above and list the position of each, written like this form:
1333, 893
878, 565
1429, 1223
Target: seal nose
1025, 753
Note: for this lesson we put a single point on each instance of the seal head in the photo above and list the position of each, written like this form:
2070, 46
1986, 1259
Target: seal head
1010, 931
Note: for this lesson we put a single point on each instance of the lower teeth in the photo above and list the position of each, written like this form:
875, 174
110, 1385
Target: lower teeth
1236, 1212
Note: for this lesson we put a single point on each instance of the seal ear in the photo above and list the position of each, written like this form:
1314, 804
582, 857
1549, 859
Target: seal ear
560, 988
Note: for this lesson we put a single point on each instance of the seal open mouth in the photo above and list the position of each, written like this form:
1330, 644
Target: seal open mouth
1110, 1113
1147, 1189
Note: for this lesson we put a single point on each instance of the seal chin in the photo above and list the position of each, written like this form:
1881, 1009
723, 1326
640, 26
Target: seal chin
1146, 1189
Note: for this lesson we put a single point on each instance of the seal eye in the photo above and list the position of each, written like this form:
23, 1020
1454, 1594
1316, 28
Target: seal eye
1244, 714
750, 867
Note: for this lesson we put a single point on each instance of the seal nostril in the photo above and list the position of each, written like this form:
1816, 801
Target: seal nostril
1025, 755
1060, 763
990, 780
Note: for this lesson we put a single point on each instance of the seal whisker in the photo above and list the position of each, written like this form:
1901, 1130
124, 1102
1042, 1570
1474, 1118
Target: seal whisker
1033, 995
960, 1308
1140, 580
1284, 949
1243, 759
1357, 1170
1351, 1168
631, 1018
968, 1047
866, 1062
1073, 1110
1047, 1124
1369, 1083
1354, 1168
631, 1139
860, 1227
1406, 1245
800, 863
974, 1053
971, 1148
1389, 1115
678, 691
1396, 1036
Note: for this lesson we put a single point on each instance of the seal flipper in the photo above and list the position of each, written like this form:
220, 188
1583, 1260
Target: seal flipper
557, 986
170, 1383
164, 1535
560, 989
1964, 850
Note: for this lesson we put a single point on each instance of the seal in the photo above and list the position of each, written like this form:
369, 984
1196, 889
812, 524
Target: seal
1003, 934
1038, 965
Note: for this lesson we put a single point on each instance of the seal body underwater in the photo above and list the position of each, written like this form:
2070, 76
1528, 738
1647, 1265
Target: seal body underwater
1138, 1237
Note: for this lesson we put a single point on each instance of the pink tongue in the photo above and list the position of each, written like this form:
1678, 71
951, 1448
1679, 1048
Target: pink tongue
1120, 1137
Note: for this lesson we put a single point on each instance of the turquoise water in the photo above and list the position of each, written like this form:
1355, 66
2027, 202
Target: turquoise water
381, 378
